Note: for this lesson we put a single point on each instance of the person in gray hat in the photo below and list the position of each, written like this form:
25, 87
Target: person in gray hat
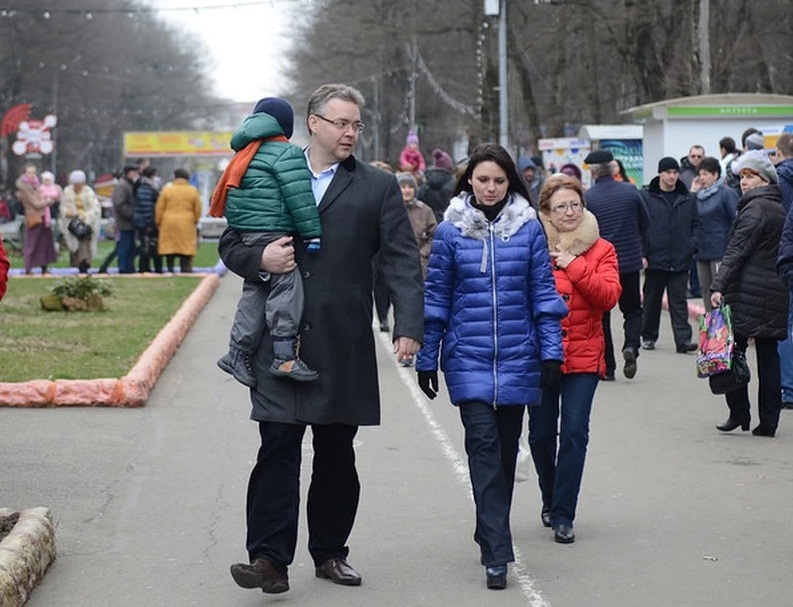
747, 280
669, 244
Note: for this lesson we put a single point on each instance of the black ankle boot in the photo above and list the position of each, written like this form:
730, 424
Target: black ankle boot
731, 424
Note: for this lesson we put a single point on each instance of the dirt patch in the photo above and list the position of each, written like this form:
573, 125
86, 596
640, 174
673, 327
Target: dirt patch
7, 524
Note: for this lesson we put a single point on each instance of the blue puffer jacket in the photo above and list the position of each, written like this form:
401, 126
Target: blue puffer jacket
146, 193
490, 306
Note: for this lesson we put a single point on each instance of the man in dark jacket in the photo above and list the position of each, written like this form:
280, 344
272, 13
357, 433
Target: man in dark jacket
622, 219
362, 214
784, 169
124, 206
669, 245
436, 191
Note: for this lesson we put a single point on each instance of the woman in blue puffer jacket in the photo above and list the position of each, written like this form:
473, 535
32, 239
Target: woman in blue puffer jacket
492, 314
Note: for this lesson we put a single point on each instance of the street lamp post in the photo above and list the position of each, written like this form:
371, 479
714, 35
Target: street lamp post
492, 8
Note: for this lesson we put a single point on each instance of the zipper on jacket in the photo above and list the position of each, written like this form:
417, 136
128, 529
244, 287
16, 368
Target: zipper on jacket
495, 313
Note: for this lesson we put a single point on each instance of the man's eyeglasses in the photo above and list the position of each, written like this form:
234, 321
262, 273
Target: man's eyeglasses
693, 156
343, 125
563, 208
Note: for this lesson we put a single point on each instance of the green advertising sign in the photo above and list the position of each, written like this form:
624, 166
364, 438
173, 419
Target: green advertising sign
713, 111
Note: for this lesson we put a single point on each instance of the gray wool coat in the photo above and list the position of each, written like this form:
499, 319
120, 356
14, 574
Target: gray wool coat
362, 214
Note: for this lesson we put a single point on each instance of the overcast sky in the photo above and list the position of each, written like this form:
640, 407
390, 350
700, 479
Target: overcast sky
247, 42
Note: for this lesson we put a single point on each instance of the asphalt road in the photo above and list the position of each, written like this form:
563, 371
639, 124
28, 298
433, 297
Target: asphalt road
149, 503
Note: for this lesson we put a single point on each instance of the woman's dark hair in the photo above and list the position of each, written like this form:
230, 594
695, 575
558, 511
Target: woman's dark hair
149, 172
492, 152
728, 144
622, 172
711, 165
181, 173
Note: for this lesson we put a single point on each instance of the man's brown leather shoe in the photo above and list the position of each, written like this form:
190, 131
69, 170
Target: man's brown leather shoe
260, 574
338, 571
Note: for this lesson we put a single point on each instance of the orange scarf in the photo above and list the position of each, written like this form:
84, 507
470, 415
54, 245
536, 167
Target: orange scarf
232, 176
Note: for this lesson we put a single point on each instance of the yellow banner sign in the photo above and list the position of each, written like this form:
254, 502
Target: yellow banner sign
177, 143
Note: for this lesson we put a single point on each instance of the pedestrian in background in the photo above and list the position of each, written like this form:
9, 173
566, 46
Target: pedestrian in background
176, 215
784, 168
147, 190
587, 278
717, 204
622, 219
39, 246
491, 314
124, 206
439, 181
51, 193
669, 244
362, 214
80, 201
747, 280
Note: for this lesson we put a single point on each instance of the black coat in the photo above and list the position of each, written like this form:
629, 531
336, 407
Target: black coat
747, 275
670, 240
362, 214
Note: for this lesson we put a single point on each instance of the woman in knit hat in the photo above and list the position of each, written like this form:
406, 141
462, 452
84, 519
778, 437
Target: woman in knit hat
747, 280
80, 201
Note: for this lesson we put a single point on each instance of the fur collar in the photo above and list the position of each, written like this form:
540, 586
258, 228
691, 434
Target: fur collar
578, 241
472, 222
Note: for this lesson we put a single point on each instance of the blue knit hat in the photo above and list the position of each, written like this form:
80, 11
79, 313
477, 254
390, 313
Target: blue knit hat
281, 110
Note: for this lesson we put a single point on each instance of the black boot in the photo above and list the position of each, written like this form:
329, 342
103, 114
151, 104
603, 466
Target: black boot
732, 423
238, 363
287, 362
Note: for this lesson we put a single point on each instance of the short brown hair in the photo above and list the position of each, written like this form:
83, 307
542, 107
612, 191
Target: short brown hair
556, 182
785, 144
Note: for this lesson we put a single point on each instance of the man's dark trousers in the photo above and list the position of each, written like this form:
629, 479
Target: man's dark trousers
274, 493
675, 283
631, 307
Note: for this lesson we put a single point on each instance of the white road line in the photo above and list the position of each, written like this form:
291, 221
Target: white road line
459, 465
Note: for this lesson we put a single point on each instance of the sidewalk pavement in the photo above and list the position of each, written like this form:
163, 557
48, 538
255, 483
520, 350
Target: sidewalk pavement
148, 503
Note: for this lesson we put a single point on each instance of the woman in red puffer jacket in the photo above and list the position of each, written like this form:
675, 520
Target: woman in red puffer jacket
587, 278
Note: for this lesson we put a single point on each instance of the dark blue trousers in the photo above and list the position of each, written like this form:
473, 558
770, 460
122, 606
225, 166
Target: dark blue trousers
560, 466
491, 442
274, 493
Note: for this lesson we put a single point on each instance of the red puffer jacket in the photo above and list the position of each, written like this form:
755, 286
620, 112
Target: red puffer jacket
589, 285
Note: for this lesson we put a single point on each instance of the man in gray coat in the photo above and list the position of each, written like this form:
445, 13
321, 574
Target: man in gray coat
362, 214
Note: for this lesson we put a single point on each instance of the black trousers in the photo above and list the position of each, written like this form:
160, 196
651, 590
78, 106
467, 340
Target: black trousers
630, 304
274, 493
769, 391
674, 283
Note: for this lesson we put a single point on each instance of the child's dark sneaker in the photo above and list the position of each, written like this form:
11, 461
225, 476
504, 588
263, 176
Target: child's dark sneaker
238, 363
293, 368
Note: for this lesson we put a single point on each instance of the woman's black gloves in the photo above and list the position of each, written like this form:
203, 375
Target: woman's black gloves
550, 374
428, 382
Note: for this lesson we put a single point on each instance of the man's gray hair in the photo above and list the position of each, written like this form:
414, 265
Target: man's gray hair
601, 169
319, 99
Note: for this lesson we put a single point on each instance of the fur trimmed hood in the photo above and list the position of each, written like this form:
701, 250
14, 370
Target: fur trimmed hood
578, 241
473, 223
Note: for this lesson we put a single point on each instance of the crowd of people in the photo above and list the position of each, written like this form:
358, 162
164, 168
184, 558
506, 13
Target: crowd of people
502, 278
152, 221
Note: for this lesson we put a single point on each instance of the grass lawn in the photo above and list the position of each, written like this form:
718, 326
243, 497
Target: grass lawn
206, 257
35, 344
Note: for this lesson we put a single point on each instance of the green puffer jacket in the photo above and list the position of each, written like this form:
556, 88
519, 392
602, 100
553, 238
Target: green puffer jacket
275, 194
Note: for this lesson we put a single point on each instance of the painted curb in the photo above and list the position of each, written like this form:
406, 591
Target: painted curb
133, 389
25, 555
